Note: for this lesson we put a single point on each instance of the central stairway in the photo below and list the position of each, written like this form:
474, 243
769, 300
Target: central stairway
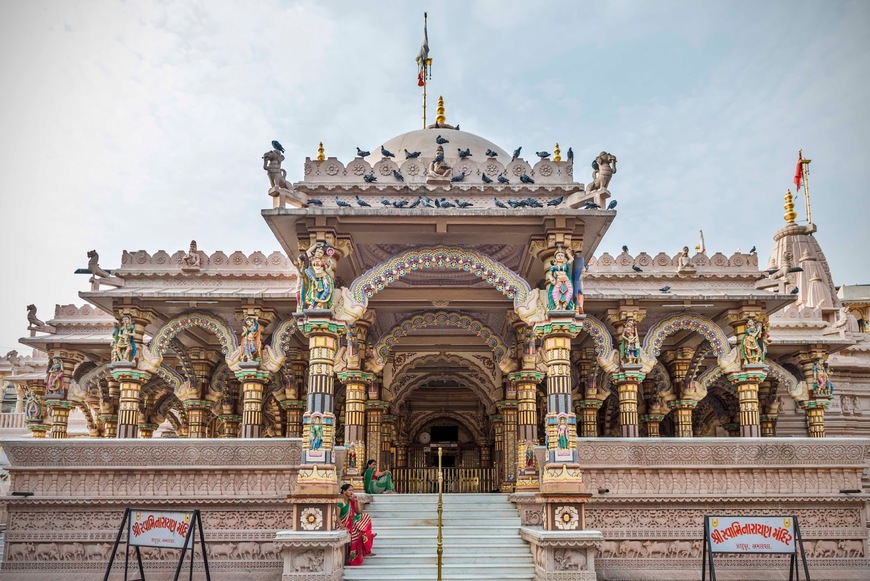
480, 537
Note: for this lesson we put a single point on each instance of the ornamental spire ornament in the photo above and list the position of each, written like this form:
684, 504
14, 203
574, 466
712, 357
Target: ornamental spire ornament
790, 214
440, 119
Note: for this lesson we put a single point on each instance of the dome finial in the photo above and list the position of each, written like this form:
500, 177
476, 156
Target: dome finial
321, 153
440, 119
557, 153
790, 214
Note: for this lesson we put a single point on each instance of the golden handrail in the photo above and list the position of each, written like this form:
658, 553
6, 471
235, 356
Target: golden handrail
440, 509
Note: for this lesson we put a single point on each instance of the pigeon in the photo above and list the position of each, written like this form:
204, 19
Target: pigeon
457, 127
516, 203
590, 205
386, 202
752, 250
277, 146
503, 180
463, 153
499, 204
526, 179
362, 203
533, 203
441, 141
636, 268
416, 202
427, 203
462, 204
486, 179
398, 175
315, 202
446, 204
611, 205
491, 154
556, 201
439, 158
458, 178
543, 154
517, 153
595, 165
361, 153
571, 155
665, 289
412, 154
369, 178
624, 248
795, 291
341, 203
400, 203
386, 153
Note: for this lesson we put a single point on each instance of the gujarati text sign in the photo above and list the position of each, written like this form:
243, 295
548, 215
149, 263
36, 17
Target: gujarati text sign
751, 534
149, 528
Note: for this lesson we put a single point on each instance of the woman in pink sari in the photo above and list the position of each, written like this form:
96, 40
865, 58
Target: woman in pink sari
357, 524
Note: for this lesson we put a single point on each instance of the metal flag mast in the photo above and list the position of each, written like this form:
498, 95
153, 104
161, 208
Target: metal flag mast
424, 64
805, 171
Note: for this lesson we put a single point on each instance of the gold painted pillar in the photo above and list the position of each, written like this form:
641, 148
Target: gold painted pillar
771, 401
355, 384
817, 377
655, 410
253, 380
374, 413
627, 380
401, 453
590, 398
35, 410
388, 437
498, 449
747, 322
131, 327
528, 471
561, 472
198, 417
59, 418
508, 409
678, 362
109, 409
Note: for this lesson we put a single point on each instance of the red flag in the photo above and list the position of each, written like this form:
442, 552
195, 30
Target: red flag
799, 173
420, 81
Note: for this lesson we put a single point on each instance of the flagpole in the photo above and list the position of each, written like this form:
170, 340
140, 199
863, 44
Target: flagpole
806, 175
426, 62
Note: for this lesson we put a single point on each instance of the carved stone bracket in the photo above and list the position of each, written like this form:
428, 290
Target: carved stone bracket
312, 555
563, 555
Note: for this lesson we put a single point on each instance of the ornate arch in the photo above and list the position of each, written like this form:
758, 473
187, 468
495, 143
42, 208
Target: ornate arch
428, 319
478, 388
180, 351
210, 322
787, 379
93, 378
662, 379
428, 358
655, 337
423, 420
483, 267
171, 377
603, 341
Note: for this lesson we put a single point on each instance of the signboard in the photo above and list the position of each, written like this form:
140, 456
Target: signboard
149, 528
751, 534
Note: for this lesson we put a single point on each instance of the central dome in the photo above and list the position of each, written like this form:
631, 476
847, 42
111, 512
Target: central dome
423, 140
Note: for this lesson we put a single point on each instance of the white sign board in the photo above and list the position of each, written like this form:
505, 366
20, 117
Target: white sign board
149, 528
751, 534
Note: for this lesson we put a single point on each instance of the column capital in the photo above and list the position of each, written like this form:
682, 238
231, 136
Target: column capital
527, 376
320, 322
127, 372
567, 325
250, 372
623, 312
376, 404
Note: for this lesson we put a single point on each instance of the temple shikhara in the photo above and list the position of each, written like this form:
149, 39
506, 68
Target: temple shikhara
443, 291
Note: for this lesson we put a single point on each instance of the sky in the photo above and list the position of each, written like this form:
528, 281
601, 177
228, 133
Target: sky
141, 125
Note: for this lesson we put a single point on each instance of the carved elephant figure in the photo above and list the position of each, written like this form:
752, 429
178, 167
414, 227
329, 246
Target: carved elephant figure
609, 548
19, 551
632, 549
851, 548
569, 560
46, 552
308, 561
71, 551
216, 550
247, 550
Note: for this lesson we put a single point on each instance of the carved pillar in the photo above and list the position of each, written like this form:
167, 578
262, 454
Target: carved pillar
198, 417
768, 398
60, 369
528, 471
508, 414
590, 397
388, 436
130, 331
678, 362
59, 417
356, 384
293, 409
627, 380
561, 472
253, 380
820, 395
374, 412
401, 453
486, 455
299, 363
748, 325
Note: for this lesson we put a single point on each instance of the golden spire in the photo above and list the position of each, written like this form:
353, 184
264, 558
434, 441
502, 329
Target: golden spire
440, 119
557, 153
790, 214
321, 153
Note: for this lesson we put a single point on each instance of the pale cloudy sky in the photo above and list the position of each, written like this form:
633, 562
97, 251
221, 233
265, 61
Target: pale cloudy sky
141, 125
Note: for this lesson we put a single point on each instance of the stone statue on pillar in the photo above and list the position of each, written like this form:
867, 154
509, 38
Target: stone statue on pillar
318, 268
821, 378
54, 384
753, 345
560, 286
124, 341
251, 340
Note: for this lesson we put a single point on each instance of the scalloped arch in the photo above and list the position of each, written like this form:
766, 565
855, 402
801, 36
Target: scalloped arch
421, 421
204, 320
428, 319
476, 387
282, 336
92, 378
485, 268
655, 337
784, 377
600, 335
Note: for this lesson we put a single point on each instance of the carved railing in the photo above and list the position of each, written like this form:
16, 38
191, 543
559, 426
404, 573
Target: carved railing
425, 480
11, 421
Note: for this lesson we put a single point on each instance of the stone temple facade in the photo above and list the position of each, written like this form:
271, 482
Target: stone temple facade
425, 297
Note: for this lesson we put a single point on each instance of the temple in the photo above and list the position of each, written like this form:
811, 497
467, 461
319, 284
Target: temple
440, 291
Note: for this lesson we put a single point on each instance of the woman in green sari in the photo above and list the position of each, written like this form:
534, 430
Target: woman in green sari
378, 482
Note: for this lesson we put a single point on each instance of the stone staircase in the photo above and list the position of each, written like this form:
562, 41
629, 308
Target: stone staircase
480, 537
